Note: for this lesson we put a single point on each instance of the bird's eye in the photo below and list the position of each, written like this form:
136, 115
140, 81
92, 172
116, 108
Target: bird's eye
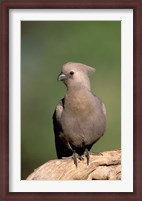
71, 73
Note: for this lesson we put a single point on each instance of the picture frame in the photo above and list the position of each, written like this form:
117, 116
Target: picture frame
4, 156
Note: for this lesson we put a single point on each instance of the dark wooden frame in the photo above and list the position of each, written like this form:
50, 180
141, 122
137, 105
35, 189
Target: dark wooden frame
136, 5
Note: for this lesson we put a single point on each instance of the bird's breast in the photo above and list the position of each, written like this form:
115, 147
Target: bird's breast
83, 119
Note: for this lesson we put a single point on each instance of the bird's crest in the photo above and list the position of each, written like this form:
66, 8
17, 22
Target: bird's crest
87, 69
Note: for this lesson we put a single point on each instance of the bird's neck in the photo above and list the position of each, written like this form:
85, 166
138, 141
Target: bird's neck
79, 86
78, 99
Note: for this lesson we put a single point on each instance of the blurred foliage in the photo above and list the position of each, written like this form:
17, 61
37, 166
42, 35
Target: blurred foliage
45, 47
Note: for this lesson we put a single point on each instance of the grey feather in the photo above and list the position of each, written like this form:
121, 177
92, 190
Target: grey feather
79, 119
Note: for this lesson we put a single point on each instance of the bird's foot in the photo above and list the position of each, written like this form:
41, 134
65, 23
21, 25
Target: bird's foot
76, 156
80, 157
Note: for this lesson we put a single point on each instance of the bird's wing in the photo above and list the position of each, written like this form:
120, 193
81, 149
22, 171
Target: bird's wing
102, 104
61, 145
103, 112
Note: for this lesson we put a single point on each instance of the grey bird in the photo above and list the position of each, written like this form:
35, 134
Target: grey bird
79, 119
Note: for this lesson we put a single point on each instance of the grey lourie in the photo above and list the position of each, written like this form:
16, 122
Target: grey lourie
79, 119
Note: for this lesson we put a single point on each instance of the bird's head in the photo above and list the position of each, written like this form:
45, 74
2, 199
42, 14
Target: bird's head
76, 75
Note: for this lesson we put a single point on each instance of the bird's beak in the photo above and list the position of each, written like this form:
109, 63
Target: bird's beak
62, 77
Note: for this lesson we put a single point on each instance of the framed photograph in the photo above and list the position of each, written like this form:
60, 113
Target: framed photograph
37, 39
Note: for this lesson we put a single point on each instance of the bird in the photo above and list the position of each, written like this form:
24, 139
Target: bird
79, 119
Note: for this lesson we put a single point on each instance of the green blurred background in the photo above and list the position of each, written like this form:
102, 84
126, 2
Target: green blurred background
45, 47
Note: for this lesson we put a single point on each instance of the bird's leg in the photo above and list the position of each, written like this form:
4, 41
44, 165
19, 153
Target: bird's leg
86, 153
74, 156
